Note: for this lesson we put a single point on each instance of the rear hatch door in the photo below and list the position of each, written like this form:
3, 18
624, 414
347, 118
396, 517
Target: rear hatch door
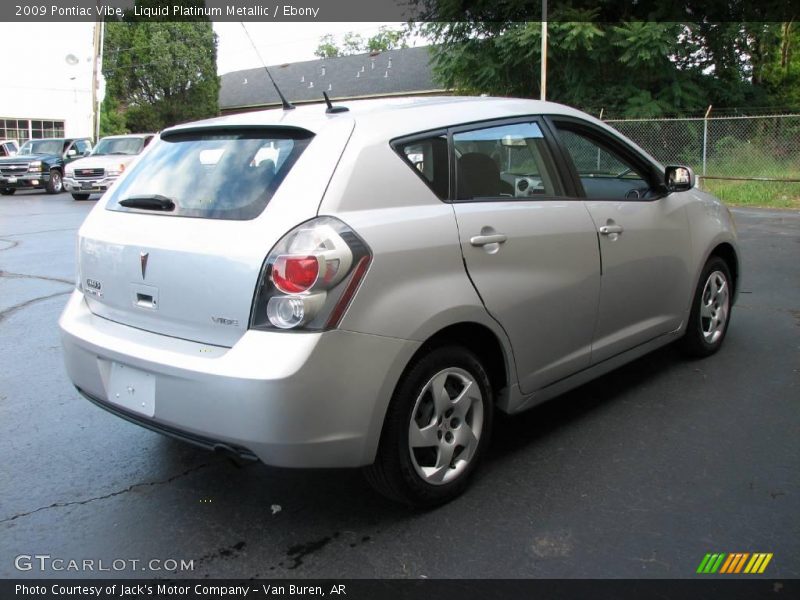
177, 245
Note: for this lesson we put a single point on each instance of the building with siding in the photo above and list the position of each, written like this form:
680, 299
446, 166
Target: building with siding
47, 93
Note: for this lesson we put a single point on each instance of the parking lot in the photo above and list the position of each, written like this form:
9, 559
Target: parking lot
637, 474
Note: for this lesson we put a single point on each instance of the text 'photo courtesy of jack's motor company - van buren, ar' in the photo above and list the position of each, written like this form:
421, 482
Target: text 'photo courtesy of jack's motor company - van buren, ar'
180, 591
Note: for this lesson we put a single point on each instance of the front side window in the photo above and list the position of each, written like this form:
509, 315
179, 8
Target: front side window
211, 174
603, 172
505, 161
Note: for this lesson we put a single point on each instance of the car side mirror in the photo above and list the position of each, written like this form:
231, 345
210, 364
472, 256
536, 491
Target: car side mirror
71, 152
678, 178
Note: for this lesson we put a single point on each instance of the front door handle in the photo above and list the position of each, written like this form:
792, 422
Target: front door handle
483, 240
609, 229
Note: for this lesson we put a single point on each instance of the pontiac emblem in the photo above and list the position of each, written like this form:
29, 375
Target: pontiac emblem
143, 261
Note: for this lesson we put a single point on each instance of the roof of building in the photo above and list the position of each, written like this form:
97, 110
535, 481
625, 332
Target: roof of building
394, 72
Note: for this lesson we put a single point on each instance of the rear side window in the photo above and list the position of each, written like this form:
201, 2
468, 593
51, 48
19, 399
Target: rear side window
504, 161
428, 158
213, 174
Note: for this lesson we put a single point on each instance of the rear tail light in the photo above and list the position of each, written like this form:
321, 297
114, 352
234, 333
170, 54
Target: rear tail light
295, 274
310, 277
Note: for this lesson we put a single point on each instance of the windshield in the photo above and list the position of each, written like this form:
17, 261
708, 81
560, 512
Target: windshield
213, 174
42, 147
128, 145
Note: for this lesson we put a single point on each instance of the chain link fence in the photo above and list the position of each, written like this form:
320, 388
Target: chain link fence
754, 148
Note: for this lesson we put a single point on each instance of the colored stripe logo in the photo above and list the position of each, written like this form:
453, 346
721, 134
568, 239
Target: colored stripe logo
737, 562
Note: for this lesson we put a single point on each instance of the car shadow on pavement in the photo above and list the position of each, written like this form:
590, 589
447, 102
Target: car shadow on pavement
262, 491
513, 433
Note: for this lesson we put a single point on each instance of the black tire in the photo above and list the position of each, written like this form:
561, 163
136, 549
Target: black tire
696, 343
394, 473
55, 185
8, 191
80, 196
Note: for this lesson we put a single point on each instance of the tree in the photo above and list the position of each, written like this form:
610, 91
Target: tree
354, 43
112, 120
781, 74
161, 72
327, 47
388, 39
624, 67
606, 54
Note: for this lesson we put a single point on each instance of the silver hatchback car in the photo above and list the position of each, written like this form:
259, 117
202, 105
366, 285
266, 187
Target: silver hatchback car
365, 288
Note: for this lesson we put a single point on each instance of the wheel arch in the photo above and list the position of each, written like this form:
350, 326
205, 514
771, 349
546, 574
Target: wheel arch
728, 253
479, 338
481, 341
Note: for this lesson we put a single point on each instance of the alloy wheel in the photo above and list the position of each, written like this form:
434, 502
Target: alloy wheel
714, 307
446, 425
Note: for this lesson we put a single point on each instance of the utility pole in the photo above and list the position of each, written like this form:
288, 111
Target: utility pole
543, 84
95, 54
98, 25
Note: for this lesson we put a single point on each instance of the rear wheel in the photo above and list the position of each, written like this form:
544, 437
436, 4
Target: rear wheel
436, 429
711, 310
7, 191
55, 185
80, 196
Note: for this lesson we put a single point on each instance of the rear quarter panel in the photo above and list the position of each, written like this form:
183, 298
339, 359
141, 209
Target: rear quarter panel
416, 284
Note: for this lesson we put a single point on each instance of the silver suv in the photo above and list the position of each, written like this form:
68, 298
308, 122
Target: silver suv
368, 287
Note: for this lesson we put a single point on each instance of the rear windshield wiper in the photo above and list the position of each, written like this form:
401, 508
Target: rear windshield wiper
154, 202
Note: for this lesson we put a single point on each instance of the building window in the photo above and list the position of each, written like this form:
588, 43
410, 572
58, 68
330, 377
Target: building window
24, 129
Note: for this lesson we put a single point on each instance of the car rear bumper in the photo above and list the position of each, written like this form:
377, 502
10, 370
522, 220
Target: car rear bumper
289, 399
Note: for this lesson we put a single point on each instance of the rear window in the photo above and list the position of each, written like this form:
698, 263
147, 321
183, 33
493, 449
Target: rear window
213, 174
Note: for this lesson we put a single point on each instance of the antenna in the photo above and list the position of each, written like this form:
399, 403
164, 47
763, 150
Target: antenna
286, 104
331, 108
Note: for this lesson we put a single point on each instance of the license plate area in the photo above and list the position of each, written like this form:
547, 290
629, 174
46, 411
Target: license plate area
132, 389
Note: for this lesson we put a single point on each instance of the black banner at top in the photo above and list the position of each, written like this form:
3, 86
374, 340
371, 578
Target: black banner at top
402, 10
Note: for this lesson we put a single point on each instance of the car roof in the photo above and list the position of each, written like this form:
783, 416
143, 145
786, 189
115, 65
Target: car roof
389, 118
408, 114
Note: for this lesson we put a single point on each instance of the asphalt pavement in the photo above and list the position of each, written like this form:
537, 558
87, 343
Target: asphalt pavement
637, 474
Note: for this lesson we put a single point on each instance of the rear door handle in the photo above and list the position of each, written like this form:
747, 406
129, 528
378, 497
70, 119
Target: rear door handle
483, 240
609, 229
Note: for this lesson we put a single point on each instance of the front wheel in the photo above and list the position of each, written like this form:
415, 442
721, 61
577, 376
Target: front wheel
711, 310
437, 428
55, 185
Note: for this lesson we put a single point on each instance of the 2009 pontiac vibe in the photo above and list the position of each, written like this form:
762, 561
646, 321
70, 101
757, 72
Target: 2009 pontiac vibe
366, 287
